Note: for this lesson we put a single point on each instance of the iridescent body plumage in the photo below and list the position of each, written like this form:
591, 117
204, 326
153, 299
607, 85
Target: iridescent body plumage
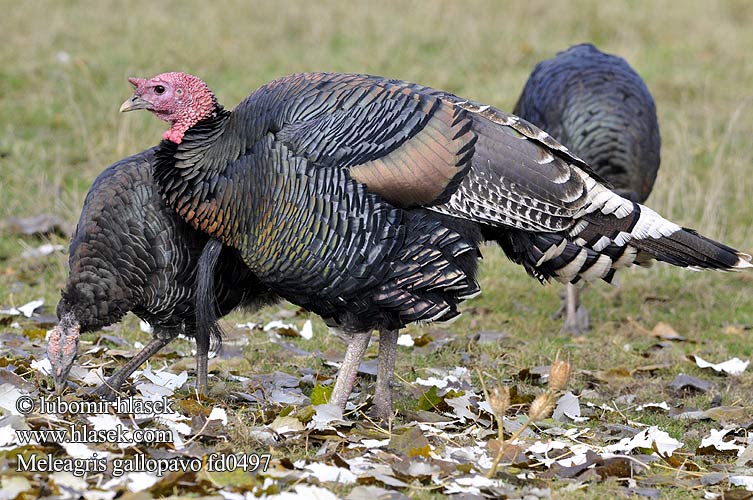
363, 199
131, 252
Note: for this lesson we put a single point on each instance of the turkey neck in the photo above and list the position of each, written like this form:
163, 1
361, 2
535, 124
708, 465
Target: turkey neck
191, 175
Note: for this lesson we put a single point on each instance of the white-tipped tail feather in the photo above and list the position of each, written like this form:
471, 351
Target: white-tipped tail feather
743, 261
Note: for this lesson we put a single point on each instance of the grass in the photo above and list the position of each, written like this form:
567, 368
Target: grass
62, 77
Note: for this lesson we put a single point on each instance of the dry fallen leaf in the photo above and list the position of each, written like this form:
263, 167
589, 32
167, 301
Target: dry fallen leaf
651, 438
683, 382
734, 366
665, 331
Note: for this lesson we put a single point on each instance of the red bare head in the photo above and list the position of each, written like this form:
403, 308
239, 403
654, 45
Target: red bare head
62, 349
178, 98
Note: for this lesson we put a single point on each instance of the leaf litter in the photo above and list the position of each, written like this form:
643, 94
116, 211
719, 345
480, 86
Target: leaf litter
446, 439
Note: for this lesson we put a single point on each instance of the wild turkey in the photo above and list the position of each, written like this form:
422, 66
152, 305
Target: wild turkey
596, 105
309, 177
131, 252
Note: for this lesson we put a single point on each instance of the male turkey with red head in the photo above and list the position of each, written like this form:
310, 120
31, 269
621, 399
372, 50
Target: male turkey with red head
358, 198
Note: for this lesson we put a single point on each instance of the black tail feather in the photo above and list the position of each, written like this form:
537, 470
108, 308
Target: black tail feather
687, 248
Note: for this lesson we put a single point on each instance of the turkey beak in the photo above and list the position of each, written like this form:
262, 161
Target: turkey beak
62, 349
134, 103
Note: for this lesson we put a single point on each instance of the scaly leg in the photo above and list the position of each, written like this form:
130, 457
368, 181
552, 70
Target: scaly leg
346, 377
110, 388
576, 316
202, 382
385, 372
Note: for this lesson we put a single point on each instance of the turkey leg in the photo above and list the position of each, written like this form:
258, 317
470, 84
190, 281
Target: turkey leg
111, 386
202, 360
346, 377
385, 372
576, 316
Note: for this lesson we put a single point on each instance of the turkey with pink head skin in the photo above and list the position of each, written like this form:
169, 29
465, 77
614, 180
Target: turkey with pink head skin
361, 199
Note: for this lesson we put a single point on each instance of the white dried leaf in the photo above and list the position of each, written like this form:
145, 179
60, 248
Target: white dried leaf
663, 405
541, 447
8, 437
307, 331
175, 422
69, 481
107, 422
307, 492
286, 425
288, 396
29, 308
648, 439
92, 377
734, 366
716, 439
26, 309
41, 251
13, 487
99, 494
453, 377
326, 417
604, 407
165, 379
330, 473
421, 468
218, 414
264, 435
432, 381
578, 456
467, 454
746, 456
248, 326
460, 406
484, 405
568, 405
405, 340
9, 394
744, 481
471, 484
43, 366
277, 324
140, 481
373, 443
153, 392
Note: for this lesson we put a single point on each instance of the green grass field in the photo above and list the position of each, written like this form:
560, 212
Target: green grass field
63, 69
